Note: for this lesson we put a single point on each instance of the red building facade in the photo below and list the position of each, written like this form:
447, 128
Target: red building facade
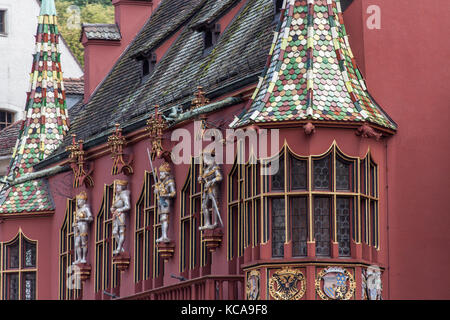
348, 198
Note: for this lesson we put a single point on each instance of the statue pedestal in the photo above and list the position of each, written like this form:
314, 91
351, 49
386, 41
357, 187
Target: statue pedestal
166, 250
212, 238
83, 270
122, 261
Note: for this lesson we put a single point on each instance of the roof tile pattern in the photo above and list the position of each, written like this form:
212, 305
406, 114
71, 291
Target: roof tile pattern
98, 31
123, 96
8, 137
312, 73
46, 121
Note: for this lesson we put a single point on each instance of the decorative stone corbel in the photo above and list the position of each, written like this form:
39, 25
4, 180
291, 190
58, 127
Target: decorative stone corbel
213, 238
82, 174
366, 131
166, 250
309, 129
121, 162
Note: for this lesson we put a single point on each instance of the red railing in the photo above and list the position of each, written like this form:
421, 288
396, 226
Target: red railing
203, 288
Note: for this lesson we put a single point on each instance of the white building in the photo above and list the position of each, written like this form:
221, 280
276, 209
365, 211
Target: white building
18, 19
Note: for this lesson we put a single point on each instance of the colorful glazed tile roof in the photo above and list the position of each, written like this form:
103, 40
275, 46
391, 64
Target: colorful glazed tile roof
46, 121
311, 72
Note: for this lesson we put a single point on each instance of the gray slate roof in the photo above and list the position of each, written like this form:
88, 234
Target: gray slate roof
98, 31
123, 97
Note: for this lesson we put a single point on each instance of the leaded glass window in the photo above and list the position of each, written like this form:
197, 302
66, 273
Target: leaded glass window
19, 269
322, 173
332, 198
278, 178
299, 226
278, 227
298, 174
343, 214
343, 175
322, 225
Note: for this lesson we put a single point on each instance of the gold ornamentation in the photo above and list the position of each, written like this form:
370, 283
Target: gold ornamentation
165, 167
121, 182
82, 195
155, 127
253, 285
200, 99
339, 284
116, 143
287, 284
77, 163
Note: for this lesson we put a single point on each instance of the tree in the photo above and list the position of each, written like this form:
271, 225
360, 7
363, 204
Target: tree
73, 13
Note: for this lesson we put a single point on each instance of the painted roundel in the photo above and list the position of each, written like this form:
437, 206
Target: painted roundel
335, 283
287, 284
253, 281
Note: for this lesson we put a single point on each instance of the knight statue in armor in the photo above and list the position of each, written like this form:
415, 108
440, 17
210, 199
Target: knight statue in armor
120, 206
82, 218
210, 176
165, 191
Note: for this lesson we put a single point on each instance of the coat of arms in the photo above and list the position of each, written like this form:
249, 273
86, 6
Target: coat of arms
335, 283
253, 285
371, 283
287, 284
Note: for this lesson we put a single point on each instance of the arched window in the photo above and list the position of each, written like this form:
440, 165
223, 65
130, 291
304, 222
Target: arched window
19, 268
193, 251
67, 254
106, 274
244, 207
369, 202
147, 264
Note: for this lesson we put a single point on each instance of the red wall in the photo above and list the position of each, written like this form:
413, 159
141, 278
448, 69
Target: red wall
406, 67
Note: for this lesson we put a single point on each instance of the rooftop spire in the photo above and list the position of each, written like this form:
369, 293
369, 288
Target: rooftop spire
48, 8
46, 119
311, 72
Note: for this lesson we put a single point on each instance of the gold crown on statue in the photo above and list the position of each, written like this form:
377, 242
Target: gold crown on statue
165, 167
82, 195
209, 152
121, 182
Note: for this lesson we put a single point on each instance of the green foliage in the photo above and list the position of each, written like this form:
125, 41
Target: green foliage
89, 11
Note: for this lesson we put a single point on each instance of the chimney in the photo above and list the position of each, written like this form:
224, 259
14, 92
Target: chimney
104, 43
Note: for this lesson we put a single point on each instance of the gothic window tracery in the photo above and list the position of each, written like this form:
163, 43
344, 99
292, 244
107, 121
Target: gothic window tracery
193, 252
106, 274
19, 268
327, 199
147, 229
67, 254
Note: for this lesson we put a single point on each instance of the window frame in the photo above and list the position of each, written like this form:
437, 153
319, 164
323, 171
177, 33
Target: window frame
196, 255
6, 122
66, 252
244, 205
20, 270
147, 228
355, 194
105, 271
4, 12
